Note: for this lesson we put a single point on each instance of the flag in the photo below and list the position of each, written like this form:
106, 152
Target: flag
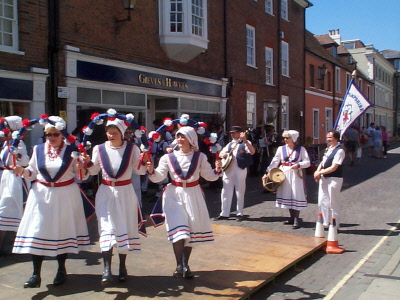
353, 106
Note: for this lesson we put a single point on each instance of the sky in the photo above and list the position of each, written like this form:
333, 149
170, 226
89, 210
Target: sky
375, 22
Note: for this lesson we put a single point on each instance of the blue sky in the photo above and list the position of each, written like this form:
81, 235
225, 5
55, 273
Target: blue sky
374, 22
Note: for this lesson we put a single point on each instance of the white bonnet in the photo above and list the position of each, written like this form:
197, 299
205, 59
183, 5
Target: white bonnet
14, 122
190, 134
293, 134
119, 123
59, 123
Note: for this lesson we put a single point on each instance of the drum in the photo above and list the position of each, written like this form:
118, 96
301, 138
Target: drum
274, 179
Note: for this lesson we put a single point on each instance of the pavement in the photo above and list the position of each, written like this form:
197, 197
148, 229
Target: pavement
373, 270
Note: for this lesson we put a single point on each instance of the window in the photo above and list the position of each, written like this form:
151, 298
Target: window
360, 84
312, 76
197, 17
315, 123
250, 45
251, 109
397, 64
368, 92
334, 52
329, 81
8, 25
337, 75
348, 78
284, 9
321, 78
176, 16
285, 59
328, 119
269, 66
269, 7
285, 112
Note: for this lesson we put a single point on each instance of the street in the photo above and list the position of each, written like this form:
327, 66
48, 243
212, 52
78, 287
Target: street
370, 210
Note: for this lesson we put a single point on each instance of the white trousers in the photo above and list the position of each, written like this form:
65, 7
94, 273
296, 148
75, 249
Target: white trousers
234, 178
329, 199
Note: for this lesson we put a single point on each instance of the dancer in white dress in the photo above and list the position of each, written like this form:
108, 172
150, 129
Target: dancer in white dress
291, 158
13, 190
187, 219
117, 208
54, 221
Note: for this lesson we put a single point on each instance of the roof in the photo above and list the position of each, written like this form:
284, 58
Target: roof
390, 54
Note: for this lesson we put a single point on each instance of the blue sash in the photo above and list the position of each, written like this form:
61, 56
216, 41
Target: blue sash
177, 167
124, 162
286, 157
41, 161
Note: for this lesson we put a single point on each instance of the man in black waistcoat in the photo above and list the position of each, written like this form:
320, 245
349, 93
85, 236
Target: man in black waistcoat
330, 178
234, 177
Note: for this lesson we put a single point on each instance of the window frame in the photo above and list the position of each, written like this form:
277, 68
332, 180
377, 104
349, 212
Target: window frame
285, 114
14, 29
269, 66
328, 119
285, 59
284, 10
250, 48
337, 76
251, 111
316, 123
269, 7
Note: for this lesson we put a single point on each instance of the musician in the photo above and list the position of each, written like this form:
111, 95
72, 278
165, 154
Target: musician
240, 150
291, 158
330, 178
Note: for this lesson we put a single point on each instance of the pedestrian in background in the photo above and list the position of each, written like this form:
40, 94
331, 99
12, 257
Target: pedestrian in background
291, 158
329, 176
351, 143
370, 138
377, 139
385, 141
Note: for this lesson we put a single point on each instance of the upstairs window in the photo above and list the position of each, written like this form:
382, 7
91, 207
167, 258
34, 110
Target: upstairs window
285, 59
269, 7
312, 76
176, 16
284, 10
269, 66
8, 26
197, 17
251, 45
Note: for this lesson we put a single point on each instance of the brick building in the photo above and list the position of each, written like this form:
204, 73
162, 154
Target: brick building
243, 59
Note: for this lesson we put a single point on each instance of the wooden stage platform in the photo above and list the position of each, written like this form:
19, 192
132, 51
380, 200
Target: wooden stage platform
239, 261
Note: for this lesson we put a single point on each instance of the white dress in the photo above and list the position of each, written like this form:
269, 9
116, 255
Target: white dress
290, 193
117, 208
185, 210
13, 190
54, 220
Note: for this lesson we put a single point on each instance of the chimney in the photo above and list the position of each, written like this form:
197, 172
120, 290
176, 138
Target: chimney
335, 35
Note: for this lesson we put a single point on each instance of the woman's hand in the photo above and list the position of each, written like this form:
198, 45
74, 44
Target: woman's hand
79, 164
18, 170
295, 167
150, 168
85, 158
265, 176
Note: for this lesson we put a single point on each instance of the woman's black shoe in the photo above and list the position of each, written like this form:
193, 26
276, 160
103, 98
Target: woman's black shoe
33, 282
187, 273
178, 272
107, 277
123, 274
60, 278
288, 222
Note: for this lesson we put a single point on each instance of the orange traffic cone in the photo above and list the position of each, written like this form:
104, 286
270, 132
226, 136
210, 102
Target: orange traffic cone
319, 227
332, 247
